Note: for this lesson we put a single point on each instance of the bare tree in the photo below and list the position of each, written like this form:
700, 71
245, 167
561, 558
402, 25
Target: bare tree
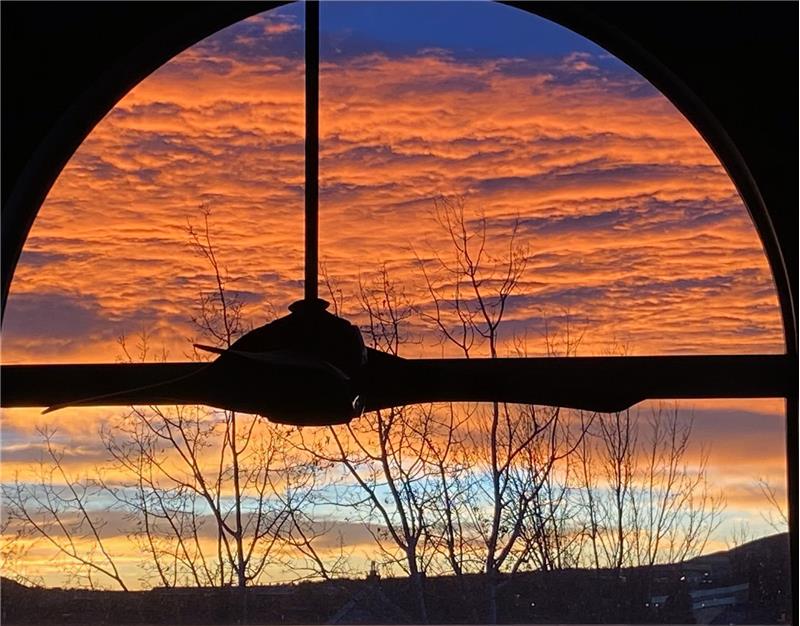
381, 454
16, 541
197, 524
741, 534
444, 435
777, 516
58, 508
552, 531
513, 450
675, 510
210, 497
551, 536
645, 501
201, 474
618, 440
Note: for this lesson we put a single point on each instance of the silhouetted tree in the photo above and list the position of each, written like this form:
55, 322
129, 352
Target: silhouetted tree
645, 500
512, 450
382, 454
211, 496
16, 541
57, 507
199, 474
553, 531
776, 515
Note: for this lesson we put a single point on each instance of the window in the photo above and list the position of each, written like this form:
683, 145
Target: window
628, 237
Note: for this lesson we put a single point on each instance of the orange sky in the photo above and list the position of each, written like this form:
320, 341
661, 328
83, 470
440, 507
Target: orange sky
630, 223
628, 219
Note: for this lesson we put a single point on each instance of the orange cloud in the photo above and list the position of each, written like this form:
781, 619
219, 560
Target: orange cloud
629, 220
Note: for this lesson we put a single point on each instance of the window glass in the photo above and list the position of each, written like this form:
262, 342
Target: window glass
477, 115
219, 129
491, 184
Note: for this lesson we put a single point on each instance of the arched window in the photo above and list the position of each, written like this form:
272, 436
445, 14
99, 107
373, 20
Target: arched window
627, 218
504, 186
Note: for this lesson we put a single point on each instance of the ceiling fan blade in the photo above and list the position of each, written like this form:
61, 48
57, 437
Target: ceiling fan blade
211, 349
286, 387
604, 384
283, 358
110, 384
294, 388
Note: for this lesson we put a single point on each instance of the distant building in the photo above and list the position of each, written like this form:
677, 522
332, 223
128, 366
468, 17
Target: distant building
707, 604
704, 570
371, 606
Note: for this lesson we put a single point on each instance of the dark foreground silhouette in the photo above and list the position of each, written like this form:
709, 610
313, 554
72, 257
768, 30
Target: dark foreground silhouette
746, 585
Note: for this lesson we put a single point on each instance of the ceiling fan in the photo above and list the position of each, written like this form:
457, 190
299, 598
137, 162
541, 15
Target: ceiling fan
311, 367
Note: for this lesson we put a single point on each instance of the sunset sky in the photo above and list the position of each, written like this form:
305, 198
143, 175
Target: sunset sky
631, 228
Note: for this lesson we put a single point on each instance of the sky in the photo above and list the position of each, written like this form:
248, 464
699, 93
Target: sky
631, 230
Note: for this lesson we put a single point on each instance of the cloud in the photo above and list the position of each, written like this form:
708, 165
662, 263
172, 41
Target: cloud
40, 258
623, 188
33, 324
280, 28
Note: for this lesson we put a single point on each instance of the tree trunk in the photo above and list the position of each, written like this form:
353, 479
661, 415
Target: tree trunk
491, 598
419, 591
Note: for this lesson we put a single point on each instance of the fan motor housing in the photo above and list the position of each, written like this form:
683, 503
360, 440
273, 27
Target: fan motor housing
320, 391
